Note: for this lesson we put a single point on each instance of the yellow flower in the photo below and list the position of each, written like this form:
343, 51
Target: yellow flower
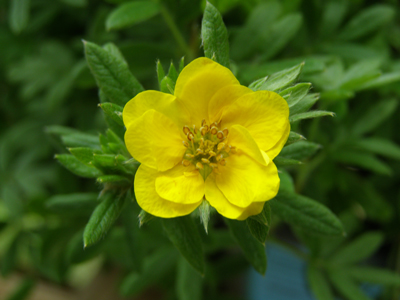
213, 139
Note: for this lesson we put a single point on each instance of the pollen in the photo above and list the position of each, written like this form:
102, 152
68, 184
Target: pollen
206, 147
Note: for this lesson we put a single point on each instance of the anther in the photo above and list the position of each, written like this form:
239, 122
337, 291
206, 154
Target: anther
220, 146
186, 144
185, 163
199, 151
225, 131
212, 153
190, 136
220, 135
222, 162
203, 130
205, 160
213, 165
188, 155
214, 130
201, 142
194, 129
203, 122
186, 129
199, 166
219, 157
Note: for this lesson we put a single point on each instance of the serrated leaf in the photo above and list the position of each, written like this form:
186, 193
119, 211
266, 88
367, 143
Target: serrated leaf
293, 138
361, 159
347, 287
299, 151
214, 36
77, 167
318, 284
295, 93
258, 230
367, 21
114, 50
374, 116
114, 111
282, 79
306, 213
304, 105
19, 15
358, 249
130, 13
252, 249
72, 202
111, 74
188, 282
374, 275
184, 235
310, 115
83, 154
103, 217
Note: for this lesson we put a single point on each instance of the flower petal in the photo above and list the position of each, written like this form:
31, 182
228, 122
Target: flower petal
166, 104
218, 200
276, 149
155, 141
180, 185
244, 142
252, 210
244, 181
198, 82
151, 202
264, 114
223, 98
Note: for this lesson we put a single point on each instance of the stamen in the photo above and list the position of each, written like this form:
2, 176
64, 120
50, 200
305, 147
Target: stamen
212, 153
201, 142
219, 157
190, 136
220, 146
186, 129
188, 155
203, 122
222, 162
233, 149
215, 170
194, 129
185, 163
205, 160
199, 151
203, 130
199, 166
225, 131
186, 144
228, 149
213, 165
214, 130
220, 135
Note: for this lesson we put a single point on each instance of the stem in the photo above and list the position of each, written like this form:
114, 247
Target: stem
175, 32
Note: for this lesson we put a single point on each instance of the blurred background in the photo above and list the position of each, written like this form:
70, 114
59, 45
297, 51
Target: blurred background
49, 100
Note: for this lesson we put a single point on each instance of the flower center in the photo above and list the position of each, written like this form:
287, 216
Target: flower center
206, 148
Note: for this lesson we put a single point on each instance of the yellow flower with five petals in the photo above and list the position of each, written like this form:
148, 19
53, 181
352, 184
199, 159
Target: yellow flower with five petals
213, 140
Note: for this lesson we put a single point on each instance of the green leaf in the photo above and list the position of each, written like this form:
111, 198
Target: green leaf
19, 15
347, 287
9, 258
360, 73
114, 111
378, 146
295, 93
114, 50
214, 36
282, 79
77, 167
184, 235
293, 138
374, 275
114, 180
103, 217
188, 282
374, 116
284, 162
265, 216
280, 34
144, 217
112, 75
258, 230
310, 115
73, 138
252, 249
300, 211
160, 72
358, 249
361, 159
332, 17
304, 105
83, 154
299, 151
72, 202
382, 80
163, 260
318, 284
367, 21
131, 13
